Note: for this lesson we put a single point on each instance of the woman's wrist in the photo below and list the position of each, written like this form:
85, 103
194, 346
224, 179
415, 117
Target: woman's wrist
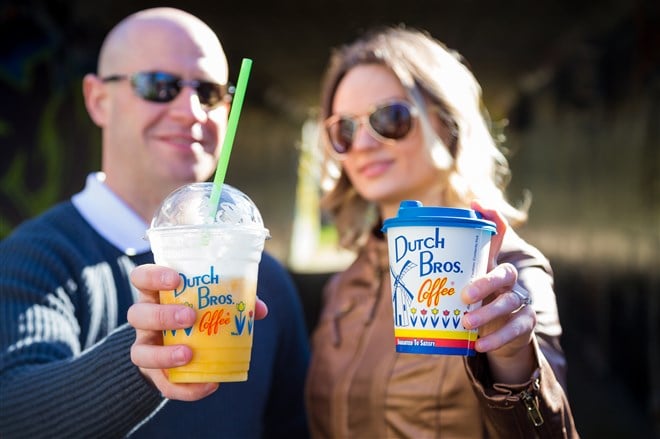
513, 369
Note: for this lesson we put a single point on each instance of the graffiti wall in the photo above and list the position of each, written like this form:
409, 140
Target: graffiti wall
48, 143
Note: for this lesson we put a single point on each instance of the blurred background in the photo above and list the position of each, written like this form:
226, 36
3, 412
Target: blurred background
573, 85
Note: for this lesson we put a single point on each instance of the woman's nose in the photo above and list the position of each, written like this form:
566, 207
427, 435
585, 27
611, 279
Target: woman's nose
363, 138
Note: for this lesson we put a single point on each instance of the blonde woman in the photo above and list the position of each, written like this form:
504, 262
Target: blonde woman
403, 119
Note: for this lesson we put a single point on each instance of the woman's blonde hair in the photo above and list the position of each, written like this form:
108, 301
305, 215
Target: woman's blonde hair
435, 80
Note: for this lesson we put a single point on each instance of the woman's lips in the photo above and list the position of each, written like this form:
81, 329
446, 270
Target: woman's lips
375, 168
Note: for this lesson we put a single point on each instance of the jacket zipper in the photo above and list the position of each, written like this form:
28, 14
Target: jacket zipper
531, 405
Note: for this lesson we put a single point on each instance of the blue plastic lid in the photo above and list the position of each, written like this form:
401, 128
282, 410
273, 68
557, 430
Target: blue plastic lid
413, 213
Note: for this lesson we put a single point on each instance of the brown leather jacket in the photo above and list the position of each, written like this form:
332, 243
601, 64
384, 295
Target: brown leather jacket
359, 387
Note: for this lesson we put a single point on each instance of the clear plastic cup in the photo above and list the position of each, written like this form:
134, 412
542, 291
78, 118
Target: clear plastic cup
217, 258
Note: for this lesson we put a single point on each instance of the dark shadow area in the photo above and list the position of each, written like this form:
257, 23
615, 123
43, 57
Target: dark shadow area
611, 346
310, 287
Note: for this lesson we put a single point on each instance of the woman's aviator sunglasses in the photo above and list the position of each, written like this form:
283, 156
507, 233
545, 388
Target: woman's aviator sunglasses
388, 121
164, 87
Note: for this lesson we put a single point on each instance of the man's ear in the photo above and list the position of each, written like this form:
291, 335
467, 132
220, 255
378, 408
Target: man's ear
95, 99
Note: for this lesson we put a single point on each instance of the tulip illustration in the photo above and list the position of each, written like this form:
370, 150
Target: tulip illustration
240, 319
424, 318
445, 318
457, 318
250, 321
435, 318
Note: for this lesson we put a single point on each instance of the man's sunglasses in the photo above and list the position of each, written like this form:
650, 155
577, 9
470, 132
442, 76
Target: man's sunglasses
388, 121
164, 87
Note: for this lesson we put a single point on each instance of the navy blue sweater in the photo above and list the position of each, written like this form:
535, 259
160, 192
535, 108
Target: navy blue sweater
65, 368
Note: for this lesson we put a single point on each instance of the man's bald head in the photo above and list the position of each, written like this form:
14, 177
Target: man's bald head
147, 31
151, 146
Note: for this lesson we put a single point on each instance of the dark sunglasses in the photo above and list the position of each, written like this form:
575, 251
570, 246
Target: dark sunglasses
164, 87
388, 121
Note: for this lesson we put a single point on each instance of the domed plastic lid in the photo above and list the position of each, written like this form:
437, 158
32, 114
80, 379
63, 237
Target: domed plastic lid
189, 206
413, 213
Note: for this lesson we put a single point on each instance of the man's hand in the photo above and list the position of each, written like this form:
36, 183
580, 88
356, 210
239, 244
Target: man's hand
150, 319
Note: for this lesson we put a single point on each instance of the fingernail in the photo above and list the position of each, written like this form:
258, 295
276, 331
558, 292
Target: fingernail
179, 356
470, 321
481, 345
169, 277
182, 316
470, 293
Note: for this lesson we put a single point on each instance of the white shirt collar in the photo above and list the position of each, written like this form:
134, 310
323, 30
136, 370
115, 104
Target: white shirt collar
110, 216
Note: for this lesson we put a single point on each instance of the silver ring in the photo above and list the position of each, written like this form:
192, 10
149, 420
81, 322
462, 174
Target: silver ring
524, 299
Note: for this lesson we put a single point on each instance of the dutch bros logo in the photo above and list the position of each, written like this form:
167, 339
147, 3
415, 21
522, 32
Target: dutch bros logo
202, 282
424, 247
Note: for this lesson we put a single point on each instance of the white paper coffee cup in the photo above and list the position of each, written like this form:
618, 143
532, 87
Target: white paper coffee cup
434, 252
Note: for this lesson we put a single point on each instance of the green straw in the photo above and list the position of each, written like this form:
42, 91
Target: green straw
232, 124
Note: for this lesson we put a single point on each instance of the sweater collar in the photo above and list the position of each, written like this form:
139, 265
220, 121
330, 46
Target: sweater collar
110, 216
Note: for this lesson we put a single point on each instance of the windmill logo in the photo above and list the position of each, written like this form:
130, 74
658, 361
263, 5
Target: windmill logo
401, 295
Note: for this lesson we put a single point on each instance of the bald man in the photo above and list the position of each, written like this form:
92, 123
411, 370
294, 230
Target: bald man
161, 100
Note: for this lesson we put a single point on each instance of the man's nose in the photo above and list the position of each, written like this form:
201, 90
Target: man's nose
187, 105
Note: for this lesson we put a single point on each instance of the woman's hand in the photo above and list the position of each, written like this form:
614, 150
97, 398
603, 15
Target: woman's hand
150, 319
505, 322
